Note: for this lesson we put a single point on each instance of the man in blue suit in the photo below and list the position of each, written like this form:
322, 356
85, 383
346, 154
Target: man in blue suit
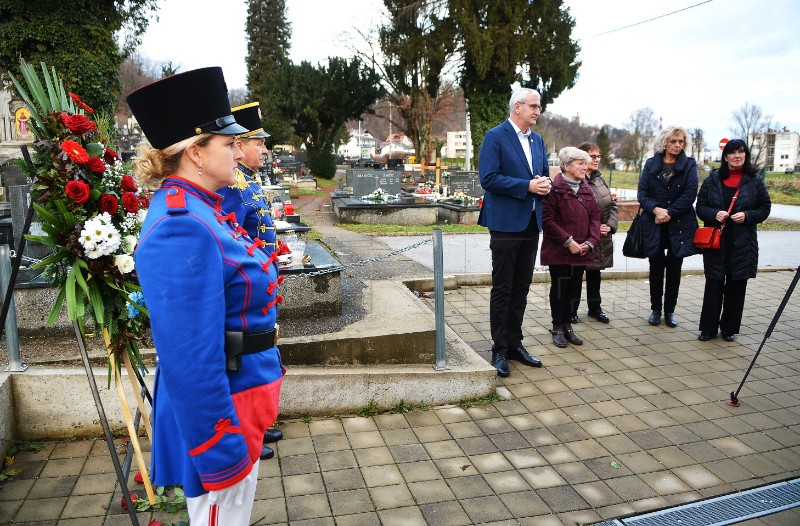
515, 175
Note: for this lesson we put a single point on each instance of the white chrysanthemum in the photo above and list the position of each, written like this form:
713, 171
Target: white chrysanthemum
99, 237
124, 263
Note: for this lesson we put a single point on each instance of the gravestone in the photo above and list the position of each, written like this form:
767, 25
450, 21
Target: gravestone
19, 197
365, 182
467, 182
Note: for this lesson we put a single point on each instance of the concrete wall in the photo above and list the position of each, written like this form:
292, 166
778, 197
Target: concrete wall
58, 403
7, 419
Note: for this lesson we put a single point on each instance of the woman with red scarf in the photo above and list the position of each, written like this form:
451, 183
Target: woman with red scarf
728, 268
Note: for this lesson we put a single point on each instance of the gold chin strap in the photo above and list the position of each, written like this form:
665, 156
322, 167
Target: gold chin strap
277, 332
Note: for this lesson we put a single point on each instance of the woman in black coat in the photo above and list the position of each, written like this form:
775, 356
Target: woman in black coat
667, 191
728, 268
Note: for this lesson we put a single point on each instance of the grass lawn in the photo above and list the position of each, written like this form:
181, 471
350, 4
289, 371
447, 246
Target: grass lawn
784, 189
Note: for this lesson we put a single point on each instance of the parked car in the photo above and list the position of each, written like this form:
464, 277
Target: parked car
789, 170
368, 163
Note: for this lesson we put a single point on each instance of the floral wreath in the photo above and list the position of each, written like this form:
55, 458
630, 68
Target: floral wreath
91, 211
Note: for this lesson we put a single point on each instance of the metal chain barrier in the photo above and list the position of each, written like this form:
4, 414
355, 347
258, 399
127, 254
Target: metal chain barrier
359, 263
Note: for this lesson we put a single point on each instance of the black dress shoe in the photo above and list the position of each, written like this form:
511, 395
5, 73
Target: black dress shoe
521, 355
655, 318
570, 335
670, 320
266, 452
728, 337
558, 336
574, 319
599, 315
272, 435
705, 336
500, 362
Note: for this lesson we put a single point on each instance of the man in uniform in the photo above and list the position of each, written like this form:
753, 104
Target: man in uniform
247, 201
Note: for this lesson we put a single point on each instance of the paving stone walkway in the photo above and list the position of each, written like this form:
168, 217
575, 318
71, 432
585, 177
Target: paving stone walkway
632, 421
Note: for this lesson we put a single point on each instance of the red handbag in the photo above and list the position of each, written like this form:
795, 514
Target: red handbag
708, 237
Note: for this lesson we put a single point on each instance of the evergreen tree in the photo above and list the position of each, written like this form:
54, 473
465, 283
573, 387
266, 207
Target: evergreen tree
319, 100
604, 143
507, 42
268, 41
77, 37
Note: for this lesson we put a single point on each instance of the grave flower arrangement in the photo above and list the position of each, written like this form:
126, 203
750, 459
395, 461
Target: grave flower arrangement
91, 211
463, 199
379, 194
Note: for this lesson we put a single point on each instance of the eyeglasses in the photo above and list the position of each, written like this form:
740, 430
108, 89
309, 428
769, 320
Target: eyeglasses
595, 156
535, 107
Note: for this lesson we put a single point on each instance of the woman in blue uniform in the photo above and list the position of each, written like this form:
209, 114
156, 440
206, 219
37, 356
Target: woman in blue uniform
212, 296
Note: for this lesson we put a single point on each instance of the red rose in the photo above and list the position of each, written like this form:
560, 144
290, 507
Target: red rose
144, 202
110, 156
96, 165
156, 523
79, 124
75, 152
138, 477
81, 103
108, 203
130, 202
128, 184
78, 191
134, 497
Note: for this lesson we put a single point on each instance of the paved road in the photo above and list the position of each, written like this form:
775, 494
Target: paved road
469, 253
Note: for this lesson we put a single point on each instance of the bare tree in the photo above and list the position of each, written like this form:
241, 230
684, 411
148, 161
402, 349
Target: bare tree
752, 126
238, 96
134, 72
642, 126
698, 144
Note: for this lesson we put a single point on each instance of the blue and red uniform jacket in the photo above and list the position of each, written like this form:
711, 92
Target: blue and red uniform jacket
201, 274
246, 199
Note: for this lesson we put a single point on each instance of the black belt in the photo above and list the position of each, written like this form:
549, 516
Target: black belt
238, 344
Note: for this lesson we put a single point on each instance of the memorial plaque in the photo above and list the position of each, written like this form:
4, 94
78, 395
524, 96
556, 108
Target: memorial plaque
19, 196
364, 182
467, 182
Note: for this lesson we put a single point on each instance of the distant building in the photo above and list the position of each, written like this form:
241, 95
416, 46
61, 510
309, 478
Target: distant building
776, 150
362, 145
397, 145
456, 145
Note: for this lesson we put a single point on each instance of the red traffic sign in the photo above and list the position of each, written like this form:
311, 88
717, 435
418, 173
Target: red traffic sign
722, 143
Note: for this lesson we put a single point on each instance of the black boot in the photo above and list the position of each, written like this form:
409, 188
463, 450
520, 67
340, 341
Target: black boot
558, 336
655, 318
669, 318
500, 362
571, 336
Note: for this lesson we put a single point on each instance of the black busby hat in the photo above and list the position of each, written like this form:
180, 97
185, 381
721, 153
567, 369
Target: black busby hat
183, 105
249, 116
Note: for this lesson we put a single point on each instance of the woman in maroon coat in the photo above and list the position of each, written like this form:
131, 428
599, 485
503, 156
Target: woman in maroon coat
571, 233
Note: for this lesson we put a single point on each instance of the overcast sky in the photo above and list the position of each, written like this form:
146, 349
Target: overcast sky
693, 68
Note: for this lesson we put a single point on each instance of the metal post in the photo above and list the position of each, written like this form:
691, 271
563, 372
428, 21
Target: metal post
438, 299
12, 336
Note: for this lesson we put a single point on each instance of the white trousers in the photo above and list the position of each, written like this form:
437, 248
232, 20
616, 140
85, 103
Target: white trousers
201, 513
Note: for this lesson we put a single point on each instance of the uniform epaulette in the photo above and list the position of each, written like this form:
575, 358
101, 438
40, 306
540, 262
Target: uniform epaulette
176, 201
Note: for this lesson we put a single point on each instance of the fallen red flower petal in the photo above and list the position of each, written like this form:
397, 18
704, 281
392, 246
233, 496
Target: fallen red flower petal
138, 478
155, 523
125, 502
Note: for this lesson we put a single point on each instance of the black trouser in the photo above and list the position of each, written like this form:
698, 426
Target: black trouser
513, 255
725, 296
665, 260
565, 291
593, 299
